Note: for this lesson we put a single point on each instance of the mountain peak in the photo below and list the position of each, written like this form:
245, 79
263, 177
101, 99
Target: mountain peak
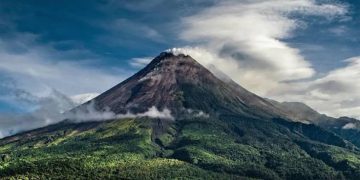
156, 85
170, 54
177, 82
170, 58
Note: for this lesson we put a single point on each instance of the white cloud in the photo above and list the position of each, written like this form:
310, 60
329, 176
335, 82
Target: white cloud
34, 70
89, 113
196, 113
117, 28
153, 112
245, 39
83, 98
339, 30
336, 94
55, 107
47, 109
135, 28
140, 62
349, 126
340, 89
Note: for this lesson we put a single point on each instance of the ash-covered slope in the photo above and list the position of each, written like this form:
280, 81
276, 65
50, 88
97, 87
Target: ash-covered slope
179, 83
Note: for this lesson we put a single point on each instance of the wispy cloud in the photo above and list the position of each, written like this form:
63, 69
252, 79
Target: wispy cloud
140, 62
37, 67
55, 107
46, 109
349, 126
336, 94
83, 98
89, 113
339, 30
249, 35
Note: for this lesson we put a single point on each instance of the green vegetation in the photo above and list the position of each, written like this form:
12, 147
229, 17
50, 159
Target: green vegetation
116, 149
223, 148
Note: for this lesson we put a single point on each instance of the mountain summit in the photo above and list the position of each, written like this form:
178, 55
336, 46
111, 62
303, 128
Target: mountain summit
218, 130
180, 83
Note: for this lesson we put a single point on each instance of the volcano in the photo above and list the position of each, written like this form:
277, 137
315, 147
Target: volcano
179, 83
217, 130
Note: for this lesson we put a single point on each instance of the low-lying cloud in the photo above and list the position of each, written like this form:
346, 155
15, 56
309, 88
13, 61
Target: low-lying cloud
47, 109
56, 107
90, 113
349, 126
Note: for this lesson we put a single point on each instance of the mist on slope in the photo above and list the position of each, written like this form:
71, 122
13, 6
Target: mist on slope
55, 107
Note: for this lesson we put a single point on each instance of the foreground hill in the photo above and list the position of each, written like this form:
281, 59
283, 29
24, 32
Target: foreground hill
217, 130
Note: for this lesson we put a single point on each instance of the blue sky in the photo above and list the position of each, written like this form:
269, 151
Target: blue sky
113, 31
116, 31
336, 40
87, 46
